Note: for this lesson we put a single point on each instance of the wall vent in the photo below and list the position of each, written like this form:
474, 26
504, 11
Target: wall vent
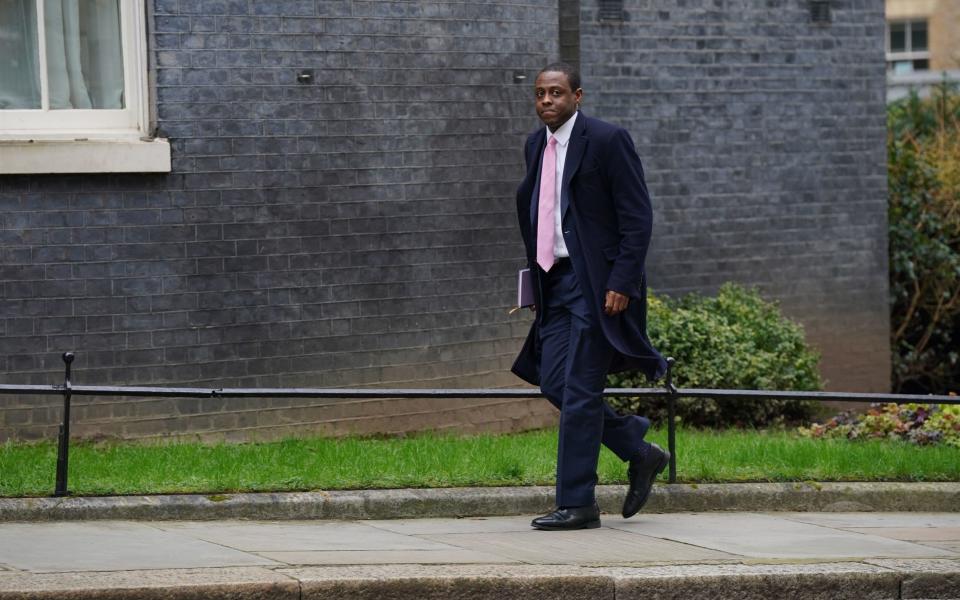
820, 12
610, 11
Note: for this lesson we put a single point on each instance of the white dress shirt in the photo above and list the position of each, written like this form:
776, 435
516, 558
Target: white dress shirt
563, 140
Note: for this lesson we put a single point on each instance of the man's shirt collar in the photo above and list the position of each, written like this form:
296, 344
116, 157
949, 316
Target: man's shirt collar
563, 132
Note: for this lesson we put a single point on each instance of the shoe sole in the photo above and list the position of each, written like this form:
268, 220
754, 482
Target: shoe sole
589, 525
656, 473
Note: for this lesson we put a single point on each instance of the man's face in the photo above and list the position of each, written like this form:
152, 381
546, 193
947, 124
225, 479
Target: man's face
556, 102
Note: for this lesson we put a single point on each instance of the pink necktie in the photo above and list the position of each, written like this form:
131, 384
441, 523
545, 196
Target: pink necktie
547, 205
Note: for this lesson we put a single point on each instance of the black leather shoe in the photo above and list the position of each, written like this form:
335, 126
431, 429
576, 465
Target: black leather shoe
642, 472
580, 517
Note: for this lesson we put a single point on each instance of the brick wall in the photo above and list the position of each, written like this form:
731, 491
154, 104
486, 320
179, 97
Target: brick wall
763, 139
360, 231
234, 420
357, 231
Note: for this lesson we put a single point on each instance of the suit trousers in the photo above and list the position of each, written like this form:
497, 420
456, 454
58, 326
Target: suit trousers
575, 360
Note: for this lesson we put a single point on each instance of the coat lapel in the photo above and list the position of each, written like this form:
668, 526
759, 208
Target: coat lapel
575, 150
532, 181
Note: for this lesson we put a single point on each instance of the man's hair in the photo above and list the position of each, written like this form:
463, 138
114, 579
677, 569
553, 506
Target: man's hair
573, 76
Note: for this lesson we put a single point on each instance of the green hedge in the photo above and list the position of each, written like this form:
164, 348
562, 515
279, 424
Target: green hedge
736, 340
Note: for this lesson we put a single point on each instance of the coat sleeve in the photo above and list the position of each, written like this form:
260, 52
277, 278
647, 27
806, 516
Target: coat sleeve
634, 214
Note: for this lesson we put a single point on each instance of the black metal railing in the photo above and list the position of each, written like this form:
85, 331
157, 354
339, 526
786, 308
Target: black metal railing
669, 392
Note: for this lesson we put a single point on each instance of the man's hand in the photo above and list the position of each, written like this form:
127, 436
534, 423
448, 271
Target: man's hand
615, 303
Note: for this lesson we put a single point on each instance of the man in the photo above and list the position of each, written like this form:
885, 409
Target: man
586, 219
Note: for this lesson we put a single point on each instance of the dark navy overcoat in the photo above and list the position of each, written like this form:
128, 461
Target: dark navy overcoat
607, 221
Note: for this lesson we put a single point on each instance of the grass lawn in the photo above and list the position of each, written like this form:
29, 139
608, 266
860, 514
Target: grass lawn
446, 461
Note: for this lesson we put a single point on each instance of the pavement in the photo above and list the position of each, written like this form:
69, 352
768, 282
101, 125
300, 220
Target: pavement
826, 555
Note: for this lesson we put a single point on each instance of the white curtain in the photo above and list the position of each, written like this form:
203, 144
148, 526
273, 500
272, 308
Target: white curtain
65, 75
19, 55
84, 53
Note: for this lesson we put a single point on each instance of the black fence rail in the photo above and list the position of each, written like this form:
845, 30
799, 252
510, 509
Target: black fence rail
668, 392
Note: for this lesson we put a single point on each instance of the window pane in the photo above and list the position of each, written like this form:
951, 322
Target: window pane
84, 55
19, 55
921, 64
903, 66
918, 36
898, 37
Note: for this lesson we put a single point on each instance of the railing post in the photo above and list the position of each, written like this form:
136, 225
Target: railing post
671, 421
63, 447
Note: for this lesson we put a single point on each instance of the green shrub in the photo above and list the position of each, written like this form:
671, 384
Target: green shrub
923, 155
922, 424
736, 340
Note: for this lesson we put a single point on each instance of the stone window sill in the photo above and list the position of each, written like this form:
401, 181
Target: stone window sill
85, 156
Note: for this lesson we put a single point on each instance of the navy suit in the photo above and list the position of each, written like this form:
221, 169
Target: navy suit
573, 344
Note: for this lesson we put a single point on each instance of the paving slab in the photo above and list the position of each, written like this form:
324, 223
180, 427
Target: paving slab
107, 545
768, 536
298, 535
388, 557
913, 534
465, 525
593, 546
877, 519
951, 546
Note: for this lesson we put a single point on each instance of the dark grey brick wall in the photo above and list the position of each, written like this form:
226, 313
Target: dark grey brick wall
361, 230
763, 137
356, 231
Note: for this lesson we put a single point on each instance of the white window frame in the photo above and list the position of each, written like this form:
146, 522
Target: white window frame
909, 54
89, 140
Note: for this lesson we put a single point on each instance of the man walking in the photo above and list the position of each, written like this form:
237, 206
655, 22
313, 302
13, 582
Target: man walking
585, 219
